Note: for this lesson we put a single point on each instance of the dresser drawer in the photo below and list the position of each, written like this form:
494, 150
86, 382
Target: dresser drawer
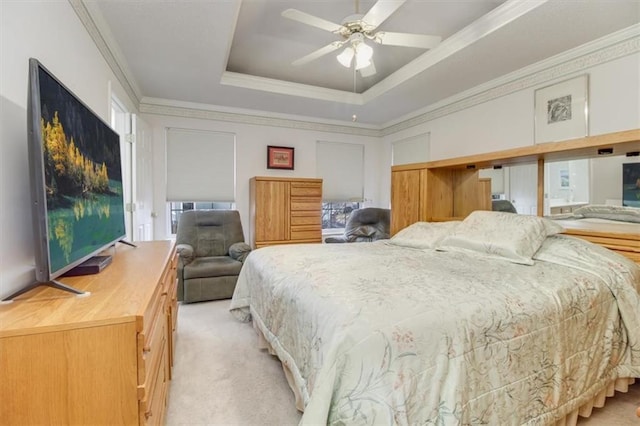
306, 203
150, 352
152, 407
309, 219
306, 232
302, 189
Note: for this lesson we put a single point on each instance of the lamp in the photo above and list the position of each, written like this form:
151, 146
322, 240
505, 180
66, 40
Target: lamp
362, 52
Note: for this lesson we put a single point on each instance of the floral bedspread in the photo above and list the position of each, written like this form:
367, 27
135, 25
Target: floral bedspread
376, 333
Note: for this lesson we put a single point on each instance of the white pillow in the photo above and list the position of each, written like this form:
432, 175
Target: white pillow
500, 235
603, 211
423, 235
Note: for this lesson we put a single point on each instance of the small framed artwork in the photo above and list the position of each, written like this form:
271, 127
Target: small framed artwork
565, 180
561, 111
279, 157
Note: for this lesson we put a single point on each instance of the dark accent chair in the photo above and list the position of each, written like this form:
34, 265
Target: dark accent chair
211, 249
368, 224
503, 206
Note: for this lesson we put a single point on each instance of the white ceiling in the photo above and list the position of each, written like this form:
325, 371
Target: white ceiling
235, 55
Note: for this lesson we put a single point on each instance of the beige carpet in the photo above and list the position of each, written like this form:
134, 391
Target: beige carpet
221, 378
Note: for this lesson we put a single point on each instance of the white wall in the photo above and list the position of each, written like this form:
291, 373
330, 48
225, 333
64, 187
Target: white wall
50, 32
251, 155
507, 122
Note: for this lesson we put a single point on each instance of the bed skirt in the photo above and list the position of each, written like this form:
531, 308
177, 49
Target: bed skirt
619, 385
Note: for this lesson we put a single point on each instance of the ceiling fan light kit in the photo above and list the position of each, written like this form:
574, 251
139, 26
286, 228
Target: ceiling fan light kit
358, 49
354, 29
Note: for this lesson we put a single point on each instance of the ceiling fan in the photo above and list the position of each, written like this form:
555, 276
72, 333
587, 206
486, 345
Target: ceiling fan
355, 30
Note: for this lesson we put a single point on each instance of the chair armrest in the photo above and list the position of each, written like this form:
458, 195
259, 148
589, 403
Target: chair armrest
185, 251
239, 251
335, 240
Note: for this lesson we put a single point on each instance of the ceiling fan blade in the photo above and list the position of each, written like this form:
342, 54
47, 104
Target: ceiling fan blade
379, 12
318, 53
409, 40
314, 21
369, 70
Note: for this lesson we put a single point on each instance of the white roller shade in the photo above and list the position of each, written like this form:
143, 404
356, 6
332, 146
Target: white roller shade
411, 150
200, 165
341, 167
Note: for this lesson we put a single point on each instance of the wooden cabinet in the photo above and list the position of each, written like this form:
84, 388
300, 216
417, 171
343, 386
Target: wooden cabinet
102, 358
285, 211
421, 194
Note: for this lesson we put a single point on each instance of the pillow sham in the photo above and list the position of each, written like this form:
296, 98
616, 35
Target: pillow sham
602, 211
500, 235
423, 235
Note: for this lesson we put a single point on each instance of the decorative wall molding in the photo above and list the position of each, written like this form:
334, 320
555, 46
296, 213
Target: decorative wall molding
108, 48
255, 119
560, 66
578, 60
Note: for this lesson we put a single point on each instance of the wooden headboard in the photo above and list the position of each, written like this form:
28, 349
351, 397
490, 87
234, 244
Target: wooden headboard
451, 189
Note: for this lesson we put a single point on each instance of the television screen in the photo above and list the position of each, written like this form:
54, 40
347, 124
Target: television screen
631, 184
78, 207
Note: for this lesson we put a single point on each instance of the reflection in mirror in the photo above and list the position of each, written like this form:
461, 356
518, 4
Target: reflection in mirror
566, 186
570, 184
515, 184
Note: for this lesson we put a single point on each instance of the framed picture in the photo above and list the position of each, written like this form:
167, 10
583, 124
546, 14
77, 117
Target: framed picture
279, 157
561, 111
565, 180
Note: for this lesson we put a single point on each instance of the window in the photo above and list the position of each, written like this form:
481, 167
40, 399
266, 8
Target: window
176, 209
411, 150
201, 166
201, 172
335, 215
341, 167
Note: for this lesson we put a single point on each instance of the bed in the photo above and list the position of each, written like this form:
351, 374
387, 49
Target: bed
497, 319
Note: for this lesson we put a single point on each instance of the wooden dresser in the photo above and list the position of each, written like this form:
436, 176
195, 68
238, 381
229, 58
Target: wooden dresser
285, 211
104, 358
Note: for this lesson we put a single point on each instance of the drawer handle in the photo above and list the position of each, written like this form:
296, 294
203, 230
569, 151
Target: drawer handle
148, 414
146, 349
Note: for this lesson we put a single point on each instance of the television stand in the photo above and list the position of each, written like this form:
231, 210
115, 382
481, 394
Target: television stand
52, 283
127, 243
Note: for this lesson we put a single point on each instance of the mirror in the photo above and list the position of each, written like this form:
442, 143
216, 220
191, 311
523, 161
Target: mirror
516, 184
571, 184
566, 186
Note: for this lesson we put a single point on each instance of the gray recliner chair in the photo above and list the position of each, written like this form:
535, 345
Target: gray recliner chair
503, 206
211, 249
368, 224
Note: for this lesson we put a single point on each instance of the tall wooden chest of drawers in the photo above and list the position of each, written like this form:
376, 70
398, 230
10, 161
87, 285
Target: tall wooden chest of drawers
285, 211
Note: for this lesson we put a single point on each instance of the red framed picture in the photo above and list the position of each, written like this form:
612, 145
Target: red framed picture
279, 157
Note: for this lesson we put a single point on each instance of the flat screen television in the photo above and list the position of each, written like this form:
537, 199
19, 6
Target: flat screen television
631, 184
76, 180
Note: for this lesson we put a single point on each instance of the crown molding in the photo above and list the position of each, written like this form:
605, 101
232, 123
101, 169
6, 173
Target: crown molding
614, 46
251, 117
485, 25
104, 41
494, 20
608, 48
282, 87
